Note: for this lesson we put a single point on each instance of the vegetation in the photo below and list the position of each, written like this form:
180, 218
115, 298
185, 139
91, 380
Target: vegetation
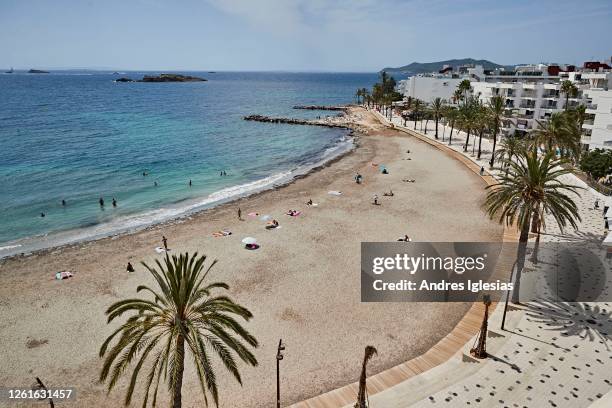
496, 111
531, 188
570, 91
597, 163
362, 394
184, 312
437, 109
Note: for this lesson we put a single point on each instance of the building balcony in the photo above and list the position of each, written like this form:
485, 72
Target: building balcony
585, 139
529, 86
590, 122
549, 107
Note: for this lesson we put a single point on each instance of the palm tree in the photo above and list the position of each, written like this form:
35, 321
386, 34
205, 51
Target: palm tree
183, 311
554, 133
464, 87
452, 114
428, 115
467, 114
483, 122
416, 109
437, 108
570, 91
530, 189
357, 95
362, 397
496, 112
457, 95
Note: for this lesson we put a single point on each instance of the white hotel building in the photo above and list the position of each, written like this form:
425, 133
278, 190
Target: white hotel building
598, 129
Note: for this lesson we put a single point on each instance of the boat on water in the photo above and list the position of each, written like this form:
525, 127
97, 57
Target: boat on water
10, 71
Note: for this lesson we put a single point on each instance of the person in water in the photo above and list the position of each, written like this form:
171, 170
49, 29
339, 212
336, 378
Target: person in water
101, 201
189, 182
155, 183
63, 203
114, 202
42, 214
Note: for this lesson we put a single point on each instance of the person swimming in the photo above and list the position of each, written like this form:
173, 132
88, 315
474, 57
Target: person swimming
114, 202
101, 201
42, 214
189, 182
63, 203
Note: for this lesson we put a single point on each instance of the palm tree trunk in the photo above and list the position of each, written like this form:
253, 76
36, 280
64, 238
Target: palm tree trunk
450, 137
415, 121
480, 143
426, 123
467, 141
494, 144
176, 392
436, 135
520, 259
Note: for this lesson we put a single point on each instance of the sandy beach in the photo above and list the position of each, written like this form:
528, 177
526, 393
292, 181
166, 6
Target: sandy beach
302, 284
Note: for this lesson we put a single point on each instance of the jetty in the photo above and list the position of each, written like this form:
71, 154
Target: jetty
321, 107
294, 121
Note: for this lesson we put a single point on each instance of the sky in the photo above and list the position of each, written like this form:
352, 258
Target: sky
297, 35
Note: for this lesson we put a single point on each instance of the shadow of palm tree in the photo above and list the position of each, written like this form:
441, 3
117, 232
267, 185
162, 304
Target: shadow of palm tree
574, 319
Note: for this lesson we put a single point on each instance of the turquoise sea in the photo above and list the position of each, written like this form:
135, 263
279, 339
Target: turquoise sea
78, 136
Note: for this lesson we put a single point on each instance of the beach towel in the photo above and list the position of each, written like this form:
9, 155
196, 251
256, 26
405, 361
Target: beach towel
253, 214
160, 250
63, 275
335, 193
222, 233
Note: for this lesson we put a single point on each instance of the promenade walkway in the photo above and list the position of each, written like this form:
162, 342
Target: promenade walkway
550, 355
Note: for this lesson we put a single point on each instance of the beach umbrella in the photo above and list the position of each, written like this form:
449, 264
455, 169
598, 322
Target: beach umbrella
265, 217
249, 241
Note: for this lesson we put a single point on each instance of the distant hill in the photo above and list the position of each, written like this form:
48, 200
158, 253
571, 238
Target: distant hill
422, 68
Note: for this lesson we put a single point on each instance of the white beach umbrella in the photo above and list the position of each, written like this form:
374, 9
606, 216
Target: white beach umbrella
265, 217
249, 241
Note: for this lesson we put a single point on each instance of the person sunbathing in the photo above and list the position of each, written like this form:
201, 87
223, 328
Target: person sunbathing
389, 194
309, 202
409, 180
272, 224
405, 238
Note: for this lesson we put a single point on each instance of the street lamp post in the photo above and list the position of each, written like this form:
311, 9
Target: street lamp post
279, 357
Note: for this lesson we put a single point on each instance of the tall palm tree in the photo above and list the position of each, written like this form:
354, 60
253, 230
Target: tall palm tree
554, 133
530, 189
483, 122
467, 114
452, 114
428, 116
464, 87
417, 107
496, 113
457, 95
184, 313
358, 95
570, 91
362, 395
437, 109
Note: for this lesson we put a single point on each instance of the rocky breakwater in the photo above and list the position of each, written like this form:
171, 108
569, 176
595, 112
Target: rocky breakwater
321, 107
294, 121
163, 78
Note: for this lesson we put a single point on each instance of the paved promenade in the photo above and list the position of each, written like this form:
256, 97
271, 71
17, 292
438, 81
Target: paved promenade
549, 355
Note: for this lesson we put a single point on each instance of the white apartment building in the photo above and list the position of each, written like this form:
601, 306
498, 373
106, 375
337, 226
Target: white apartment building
598, 128
530, 95
428, 87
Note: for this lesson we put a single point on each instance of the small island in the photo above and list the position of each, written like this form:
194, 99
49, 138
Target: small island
171, 78
37, 71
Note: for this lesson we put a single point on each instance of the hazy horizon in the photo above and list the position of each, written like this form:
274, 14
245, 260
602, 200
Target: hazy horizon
298, 35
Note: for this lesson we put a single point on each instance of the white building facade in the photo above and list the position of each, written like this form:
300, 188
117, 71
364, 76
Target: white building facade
598, 128
429, 87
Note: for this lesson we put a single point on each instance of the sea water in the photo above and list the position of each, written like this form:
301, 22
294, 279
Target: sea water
79, 136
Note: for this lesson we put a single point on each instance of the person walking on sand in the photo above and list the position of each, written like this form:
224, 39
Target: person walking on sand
165, 242
596, 206
482, 170
129, 268
239, 214
101, 201
375, 199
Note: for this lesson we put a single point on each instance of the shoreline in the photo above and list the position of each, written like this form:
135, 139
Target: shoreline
294, 175
302, 285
